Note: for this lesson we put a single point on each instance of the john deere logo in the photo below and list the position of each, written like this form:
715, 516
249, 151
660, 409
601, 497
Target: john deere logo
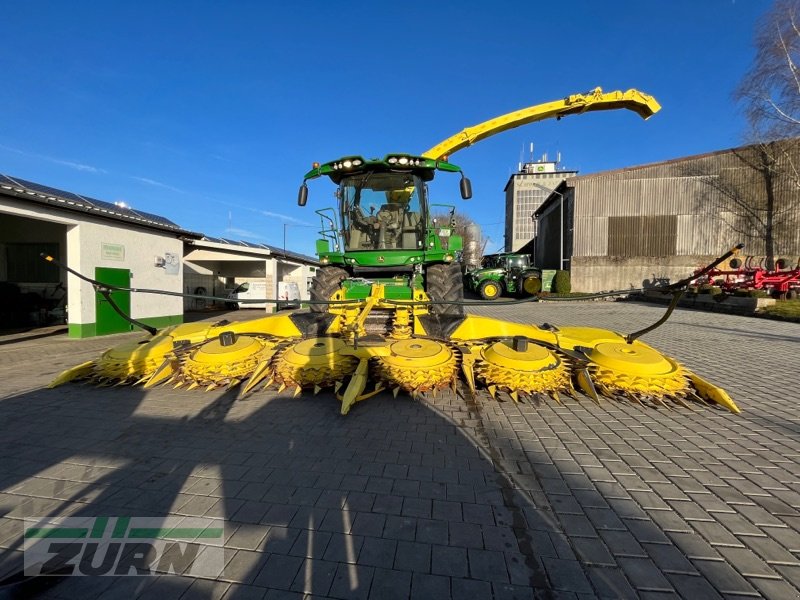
123, 546
381, 259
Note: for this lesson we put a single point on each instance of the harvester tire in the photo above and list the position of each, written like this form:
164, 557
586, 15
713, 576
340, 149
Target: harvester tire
325, 283
445, 283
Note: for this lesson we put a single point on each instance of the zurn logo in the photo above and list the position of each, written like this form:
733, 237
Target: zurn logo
123, 546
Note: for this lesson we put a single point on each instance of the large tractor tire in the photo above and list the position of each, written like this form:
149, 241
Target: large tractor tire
531, 285
325, 283
445, 283
489, 289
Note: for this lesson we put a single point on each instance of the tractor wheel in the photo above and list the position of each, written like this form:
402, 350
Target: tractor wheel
490, 289
531, 286
325, 283
445, 283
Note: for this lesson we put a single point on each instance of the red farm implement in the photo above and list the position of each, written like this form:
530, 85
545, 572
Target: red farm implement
782, 282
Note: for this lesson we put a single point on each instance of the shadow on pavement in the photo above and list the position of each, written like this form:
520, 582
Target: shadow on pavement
313, 502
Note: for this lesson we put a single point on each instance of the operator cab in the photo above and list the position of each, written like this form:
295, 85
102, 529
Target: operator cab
382, 211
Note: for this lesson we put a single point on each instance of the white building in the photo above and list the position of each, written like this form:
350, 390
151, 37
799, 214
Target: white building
111, 243
120, 246
526, 190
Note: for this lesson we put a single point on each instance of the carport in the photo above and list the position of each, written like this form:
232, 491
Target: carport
215, 266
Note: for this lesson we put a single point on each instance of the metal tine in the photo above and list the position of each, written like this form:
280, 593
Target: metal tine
682, 402
702, 401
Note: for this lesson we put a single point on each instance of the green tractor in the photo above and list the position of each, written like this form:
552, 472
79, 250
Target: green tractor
383, 233
505, 273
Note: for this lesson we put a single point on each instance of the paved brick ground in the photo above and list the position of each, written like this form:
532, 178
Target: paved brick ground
430, 499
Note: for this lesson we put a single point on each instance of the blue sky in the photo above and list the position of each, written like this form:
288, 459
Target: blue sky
209, 113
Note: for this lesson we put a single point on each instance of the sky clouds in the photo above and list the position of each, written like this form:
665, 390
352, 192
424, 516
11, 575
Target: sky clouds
58, 161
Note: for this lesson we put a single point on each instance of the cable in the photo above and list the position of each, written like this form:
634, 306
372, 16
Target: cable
676, 289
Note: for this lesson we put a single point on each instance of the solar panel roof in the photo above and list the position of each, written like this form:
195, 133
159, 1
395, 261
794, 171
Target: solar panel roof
72, 201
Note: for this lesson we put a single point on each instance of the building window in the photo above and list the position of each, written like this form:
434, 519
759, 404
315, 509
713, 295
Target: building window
642, 236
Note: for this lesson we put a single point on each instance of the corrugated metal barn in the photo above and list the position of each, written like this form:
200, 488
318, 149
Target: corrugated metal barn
625, 228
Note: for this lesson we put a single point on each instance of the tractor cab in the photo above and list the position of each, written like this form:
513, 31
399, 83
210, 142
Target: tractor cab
382, 234
383, 221
382, 211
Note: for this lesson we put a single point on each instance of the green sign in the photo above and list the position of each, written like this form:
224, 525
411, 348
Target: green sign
112, 251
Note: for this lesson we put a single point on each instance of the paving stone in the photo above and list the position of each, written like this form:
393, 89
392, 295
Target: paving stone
352, 581
449, 561
769, 550
467, 535
487, 565
611, 583
390, 584
413, 556
567, 576
279, 571
622, 543
715, 533
432, 531
314, 577
400, 528
424, 586
310, 544
470, 588
723, 577
280, 540
243, 566
308, 517
592, 551
391, 505
773, 588
691, 586
694, 546
377, 552
248, 537
343, 548
644, 574
478, 514
506, 591
790, 572
251, 512
746, 562
447, 511
525, 570
205, 589
788, 538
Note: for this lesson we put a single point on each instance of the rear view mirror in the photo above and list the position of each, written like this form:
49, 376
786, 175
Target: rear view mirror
302, 195
466, 188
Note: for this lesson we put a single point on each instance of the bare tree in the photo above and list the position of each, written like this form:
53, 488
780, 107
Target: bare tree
470, 233
754, 193
770, 90
759, 188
